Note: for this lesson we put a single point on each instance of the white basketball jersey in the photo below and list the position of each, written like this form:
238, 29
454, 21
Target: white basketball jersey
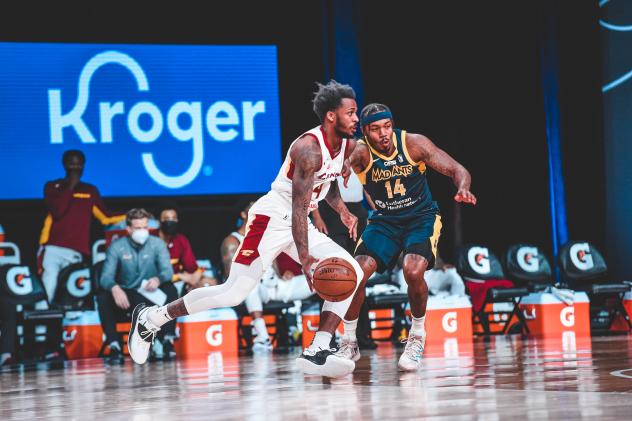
330, 168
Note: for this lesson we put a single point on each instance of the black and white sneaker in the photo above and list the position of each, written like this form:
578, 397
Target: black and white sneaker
324, 362
142, 334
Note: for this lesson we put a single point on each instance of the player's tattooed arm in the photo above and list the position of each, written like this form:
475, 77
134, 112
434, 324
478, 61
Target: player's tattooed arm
360, 158
421, 148
306, 156
348, 219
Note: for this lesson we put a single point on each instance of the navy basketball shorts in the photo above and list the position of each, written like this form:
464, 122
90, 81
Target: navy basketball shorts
385, 238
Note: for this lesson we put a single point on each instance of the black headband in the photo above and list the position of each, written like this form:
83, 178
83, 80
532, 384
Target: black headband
375, 117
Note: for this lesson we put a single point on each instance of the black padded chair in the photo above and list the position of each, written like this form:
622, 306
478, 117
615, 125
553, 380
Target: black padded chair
528, 267
23, 289
583, 268
75, 288
477, 263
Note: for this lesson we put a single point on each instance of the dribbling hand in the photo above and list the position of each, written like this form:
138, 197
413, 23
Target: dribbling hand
307, 264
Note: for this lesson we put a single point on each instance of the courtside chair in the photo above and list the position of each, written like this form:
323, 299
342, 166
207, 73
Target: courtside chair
583, 268
476, 263
527, 266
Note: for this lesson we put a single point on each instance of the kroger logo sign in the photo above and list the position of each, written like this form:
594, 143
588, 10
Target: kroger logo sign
174, 119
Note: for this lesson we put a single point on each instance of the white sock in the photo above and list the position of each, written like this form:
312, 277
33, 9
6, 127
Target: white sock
159, 316
115, 345
350, 330
321, 341
418, 327
261, 329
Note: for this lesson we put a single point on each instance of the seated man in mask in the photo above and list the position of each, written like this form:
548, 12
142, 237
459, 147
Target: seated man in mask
137, 269
183, 261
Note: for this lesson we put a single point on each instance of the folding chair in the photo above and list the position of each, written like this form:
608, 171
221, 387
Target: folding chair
476, 263
583, 268
22, 289
527, 266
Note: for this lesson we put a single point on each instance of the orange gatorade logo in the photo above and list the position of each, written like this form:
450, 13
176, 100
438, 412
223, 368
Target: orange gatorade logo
246, 253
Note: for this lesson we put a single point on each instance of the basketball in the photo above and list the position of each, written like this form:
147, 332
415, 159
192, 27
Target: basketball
334, 279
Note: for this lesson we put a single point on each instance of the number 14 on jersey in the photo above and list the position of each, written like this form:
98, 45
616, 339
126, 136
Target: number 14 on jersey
398, 188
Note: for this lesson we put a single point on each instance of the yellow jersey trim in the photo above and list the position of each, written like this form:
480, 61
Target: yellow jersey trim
434, 240
421, 165
362, 174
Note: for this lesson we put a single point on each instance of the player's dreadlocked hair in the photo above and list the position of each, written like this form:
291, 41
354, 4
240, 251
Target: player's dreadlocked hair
329, 96
371, 109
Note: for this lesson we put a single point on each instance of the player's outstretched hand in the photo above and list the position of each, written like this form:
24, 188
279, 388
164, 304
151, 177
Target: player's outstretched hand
351, 222
465, 196
307, 264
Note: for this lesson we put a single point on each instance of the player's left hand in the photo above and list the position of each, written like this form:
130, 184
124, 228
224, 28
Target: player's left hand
351, 222
346, 172
465, 196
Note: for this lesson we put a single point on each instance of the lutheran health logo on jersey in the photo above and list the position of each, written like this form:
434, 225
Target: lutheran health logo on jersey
151, 119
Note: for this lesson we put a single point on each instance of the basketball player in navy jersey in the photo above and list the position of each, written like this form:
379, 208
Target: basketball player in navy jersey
391, 164
277, 223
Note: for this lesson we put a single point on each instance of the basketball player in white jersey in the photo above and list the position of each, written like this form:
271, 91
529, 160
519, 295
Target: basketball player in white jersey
277, 223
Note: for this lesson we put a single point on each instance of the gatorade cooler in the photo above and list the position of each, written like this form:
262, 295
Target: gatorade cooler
207, 331
447, 318
83, 336
310, 320
548, 316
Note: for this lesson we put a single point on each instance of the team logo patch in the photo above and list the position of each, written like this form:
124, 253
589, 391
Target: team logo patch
380, 204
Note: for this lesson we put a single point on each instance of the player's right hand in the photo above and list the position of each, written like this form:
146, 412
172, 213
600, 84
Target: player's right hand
307, 263
120, 297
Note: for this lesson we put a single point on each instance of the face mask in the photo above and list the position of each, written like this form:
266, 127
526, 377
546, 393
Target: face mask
169, 227
140, 236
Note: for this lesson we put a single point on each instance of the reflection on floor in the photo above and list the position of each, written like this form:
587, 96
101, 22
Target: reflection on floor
505, 377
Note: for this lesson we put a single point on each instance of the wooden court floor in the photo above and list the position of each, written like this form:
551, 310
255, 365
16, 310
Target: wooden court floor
503, 378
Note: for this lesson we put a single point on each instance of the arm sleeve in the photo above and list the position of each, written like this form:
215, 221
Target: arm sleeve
108, 274
188, 258
163, 261
101, 213
57, 199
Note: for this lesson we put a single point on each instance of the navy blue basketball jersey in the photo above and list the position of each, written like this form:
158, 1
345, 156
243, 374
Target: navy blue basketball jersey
396, 183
